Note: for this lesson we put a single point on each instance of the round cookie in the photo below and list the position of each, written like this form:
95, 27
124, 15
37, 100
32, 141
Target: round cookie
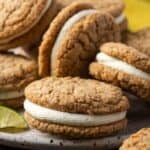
113, 7
72, 40
75, 107
139, 40
138, 141
25, 21
123, 66
16, 73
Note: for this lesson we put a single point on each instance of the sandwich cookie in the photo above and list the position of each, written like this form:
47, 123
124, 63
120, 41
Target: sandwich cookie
16, 73
138, 141
113, 7
125, 67
25, 21
75, 107
72, 39
139, 40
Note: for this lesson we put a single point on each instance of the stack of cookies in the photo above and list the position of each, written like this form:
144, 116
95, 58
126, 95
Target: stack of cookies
86, 69
21, 28
67, 105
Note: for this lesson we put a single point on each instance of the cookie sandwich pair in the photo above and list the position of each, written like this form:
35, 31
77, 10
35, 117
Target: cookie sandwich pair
75, 107
21, 25
16, 72
72, 40
125, 67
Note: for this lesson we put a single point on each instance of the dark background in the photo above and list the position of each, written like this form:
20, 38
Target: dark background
9, 148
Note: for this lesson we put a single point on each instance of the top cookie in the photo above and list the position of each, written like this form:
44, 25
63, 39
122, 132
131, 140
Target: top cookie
115, 7
138, 141
127, 54
25, 21
16, 72
73, 39
139, 40
77, 95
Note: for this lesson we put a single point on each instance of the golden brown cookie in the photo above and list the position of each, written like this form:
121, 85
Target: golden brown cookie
25, 21
15, 103
125, 67
138, 141
72, 40
16, 73
113, 7
76, 107
139, 40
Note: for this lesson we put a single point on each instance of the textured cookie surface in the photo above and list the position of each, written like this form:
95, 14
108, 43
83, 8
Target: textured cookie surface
76, 132
114, 7
127, 54
138, 141
51, 35
82, 42
79, 46
21, 16
131, 83
77, 95
13, 103
139, 40
16, 71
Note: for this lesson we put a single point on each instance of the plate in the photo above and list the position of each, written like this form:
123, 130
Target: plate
138, 118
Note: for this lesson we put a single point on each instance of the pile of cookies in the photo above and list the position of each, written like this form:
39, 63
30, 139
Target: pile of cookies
83, 60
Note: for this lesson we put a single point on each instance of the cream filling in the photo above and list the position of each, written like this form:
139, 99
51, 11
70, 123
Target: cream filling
121, 65
5, 95
120, 19
65, 28
4, 41
71, 119
21, 51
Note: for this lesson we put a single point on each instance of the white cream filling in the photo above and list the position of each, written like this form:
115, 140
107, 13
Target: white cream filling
21, 51
66, 27
121, 65
4, 95
120, 19
65, 118
29, 28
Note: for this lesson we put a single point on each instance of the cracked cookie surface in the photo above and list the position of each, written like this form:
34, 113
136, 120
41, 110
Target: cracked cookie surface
21, 16
138, 141
76, 132
16, 71
13, 103
127, 54
114, 7
77, 95
50, 36
79, 45
131, 82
